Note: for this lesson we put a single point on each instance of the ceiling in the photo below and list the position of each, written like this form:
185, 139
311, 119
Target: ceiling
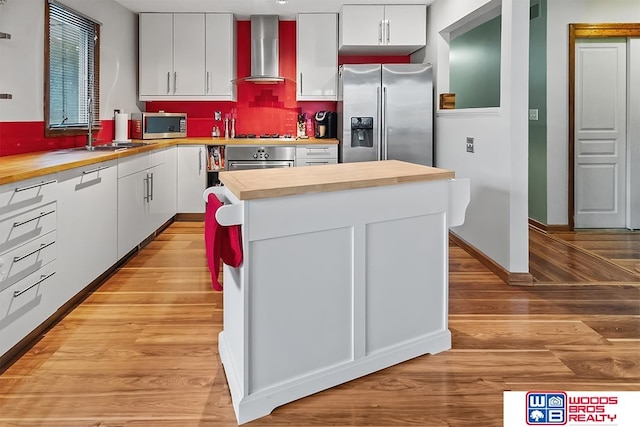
244, 8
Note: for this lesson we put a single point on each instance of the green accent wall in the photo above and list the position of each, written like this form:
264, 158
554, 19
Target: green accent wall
474, 66
538, 128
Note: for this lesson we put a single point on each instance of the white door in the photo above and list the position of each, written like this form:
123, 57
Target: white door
600, 133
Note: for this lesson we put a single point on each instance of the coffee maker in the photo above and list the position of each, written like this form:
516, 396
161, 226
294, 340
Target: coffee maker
326, 124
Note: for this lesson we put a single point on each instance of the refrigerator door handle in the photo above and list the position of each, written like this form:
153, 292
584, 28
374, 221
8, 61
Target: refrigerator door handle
384, 124
379, 121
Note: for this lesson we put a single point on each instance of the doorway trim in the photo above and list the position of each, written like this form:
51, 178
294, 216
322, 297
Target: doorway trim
586, 31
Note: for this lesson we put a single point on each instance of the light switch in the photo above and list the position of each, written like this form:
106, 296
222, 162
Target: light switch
533, 114
470, 148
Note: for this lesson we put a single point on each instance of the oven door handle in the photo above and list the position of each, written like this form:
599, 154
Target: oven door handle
259, 165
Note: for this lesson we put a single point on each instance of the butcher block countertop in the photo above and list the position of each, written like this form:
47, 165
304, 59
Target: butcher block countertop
32, 165
268, 183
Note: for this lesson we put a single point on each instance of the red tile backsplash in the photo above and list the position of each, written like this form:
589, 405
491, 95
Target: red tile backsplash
260, 108
27, 137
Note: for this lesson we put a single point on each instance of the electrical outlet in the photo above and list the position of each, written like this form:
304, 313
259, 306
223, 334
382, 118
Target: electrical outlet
533, 114
470, 148
217, 115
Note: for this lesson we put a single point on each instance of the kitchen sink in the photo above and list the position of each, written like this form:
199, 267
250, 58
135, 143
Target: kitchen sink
115, 146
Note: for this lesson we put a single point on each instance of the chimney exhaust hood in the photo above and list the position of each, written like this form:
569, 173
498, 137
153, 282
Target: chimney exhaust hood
264, 50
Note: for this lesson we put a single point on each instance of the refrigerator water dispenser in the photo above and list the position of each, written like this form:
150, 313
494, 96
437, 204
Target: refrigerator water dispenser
362, 131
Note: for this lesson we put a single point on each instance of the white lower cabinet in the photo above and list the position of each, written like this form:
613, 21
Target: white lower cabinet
192, 178
28, 249
146, 196
26, 304
58, 233
317, 154
87, 218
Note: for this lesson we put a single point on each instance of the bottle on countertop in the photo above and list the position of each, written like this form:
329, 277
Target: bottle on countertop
233, 128
226, 127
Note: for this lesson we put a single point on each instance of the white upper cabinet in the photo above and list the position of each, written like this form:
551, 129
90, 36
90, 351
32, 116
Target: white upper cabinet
220, 56
383, 29
186, 56
317, 57
155, 54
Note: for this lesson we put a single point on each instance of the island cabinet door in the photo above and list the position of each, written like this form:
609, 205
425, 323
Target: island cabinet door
344, 276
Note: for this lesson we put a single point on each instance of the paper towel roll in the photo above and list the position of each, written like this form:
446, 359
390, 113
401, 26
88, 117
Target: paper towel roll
122, 127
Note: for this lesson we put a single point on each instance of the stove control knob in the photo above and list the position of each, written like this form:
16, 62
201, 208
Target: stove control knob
266, 155
255, 155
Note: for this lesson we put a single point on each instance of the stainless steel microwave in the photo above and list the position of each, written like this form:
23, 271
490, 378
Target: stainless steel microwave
158, 125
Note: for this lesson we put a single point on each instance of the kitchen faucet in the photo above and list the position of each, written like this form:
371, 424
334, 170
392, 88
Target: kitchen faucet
89, 145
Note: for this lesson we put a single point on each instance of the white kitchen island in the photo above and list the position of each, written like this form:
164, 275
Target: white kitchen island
344, 273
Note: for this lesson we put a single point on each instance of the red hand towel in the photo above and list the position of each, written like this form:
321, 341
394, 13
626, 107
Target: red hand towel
221, 242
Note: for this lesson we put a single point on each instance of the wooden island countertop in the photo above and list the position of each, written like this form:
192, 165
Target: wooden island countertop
268, 183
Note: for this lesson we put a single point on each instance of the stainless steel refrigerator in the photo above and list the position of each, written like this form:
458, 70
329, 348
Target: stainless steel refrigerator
385, 112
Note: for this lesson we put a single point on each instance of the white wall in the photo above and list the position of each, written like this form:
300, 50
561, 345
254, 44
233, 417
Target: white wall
560, 14
633, 165
22, 57
496, 220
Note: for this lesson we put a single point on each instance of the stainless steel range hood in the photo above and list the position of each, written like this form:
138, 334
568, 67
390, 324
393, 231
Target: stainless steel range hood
264, 50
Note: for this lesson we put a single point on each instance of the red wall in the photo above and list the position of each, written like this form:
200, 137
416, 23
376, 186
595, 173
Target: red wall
260, 108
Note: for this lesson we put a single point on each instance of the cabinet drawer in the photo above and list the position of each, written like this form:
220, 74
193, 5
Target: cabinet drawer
20, 262
320, 151
18, 229
24, 195
315, 162
157, 157
133, 164
25, 305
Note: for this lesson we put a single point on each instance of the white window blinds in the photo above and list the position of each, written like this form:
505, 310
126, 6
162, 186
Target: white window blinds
73, 74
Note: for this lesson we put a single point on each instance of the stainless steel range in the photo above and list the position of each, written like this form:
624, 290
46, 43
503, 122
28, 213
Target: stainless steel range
243, 157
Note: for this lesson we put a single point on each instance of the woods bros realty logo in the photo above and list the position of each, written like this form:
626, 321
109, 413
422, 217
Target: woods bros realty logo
558, 408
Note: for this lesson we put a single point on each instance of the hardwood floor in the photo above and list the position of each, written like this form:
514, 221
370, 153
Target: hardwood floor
619, 247
584, 257
142, 351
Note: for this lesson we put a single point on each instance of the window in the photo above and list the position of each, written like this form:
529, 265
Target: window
72, 76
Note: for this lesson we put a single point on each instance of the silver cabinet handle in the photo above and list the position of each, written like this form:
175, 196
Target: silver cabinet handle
317, 163
208, 78
42, 279
175, 81
200, 161
42, 246
42, 184
94, 170
42, 214
146, 188
380, 32
168, 82
387, 30
151, 185
316, 151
